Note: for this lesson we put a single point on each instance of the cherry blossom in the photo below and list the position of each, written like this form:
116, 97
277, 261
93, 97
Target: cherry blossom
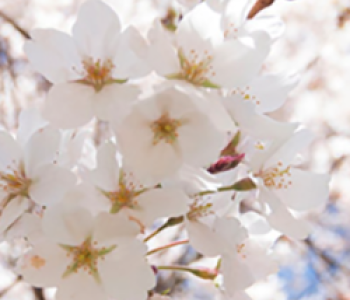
88, 257
165, 126
88, 68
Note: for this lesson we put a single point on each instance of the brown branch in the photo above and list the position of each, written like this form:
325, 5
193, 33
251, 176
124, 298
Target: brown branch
39, 293
20, 29
9, 288
259, 6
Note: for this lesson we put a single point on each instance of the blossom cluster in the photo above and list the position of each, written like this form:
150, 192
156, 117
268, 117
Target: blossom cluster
191, 142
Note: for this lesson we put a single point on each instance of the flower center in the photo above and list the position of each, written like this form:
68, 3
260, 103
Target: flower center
85, 257
195, 69
165, 129
126, 194
14, 182
276, 177
97, 73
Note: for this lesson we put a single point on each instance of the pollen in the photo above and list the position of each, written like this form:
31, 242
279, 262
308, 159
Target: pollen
37, 262
196, 68
14, 180
276, 177
165, 129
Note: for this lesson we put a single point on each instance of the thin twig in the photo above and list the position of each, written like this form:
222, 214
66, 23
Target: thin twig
9, 288
11, 21
259, 6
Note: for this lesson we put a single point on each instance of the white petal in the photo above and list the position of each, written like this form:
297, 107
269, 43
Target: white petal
44, 265
30, 121
106, 175
41, 148
114, 101
69, 105
236, 274
51, 184
133, 284
131, 55
113, 229
162, 55
53, 54
71, 147
203, 239
281, 219
80, 285
307, 190
12, 211
10, 151
96, 36
235, 63
199, 135
157, 203
271, 91
67, 224
288, 150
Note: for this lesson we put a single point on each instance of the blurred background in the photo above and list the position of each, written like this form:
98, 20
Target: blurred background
316, 44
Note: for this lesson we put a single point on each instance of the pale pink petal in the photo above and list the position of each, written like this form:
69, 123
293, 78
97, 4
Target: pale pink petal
199, 135
30, 121
78, 286
106, 175
127, 278
271, 91
281, 218
67, 224
51, 184
306, 191
96, 36
288, 150
12, 211
41, 149
10, 151
44, 265
112, 229
157, 203
203, 239
69, 105
53, 54
114, 101
162, 55
236, 63
236, 274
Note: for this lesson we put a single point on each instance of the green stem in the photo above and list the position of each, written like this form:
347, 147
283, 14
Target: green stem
167, 246
171, 222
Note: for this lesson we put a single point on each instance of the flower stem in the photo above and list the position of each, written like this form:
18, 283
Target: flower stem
171, 222
173, 244
200, 272
242, 185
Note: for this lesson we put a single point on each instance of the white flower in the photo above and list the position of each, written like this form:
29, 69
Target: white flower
199, 54
88, 68
88, 258
163, 132
123, 193
283, 186
243, 262
28, 173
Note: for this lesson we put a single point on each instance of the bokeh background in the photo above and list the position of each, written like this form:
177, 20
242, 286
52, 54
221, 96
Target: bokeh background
316, 44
